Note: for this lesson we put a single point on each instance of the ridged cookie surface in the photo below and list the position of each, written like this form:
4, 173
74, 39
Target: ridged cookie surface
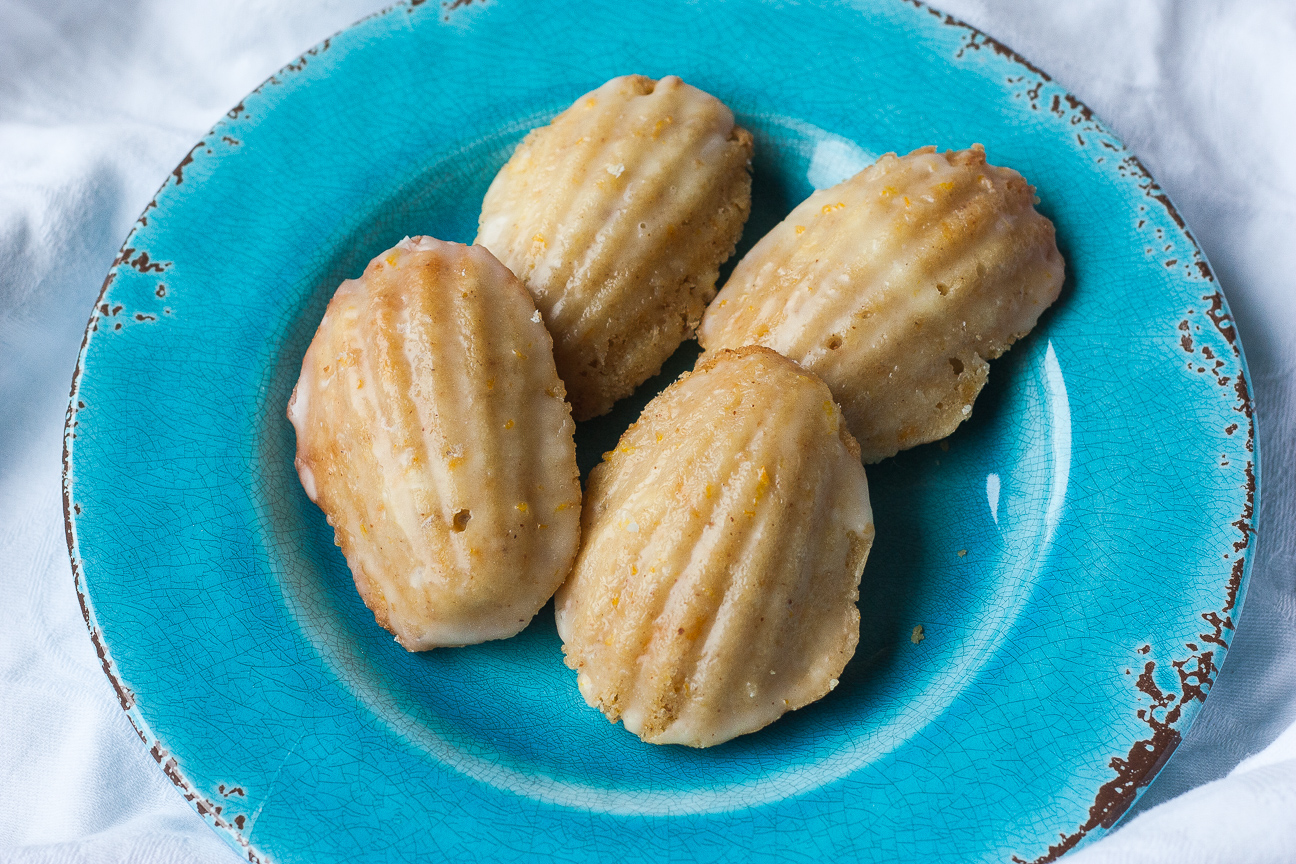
432, 431
617, 216
895, 287
723, 543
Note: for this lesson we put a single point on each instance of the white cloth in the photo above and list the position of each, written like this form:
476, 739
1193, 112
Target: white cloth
98, 101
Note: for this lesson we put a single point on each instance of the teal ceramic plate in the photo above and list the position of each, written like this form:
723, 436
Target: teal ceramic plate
1075, 554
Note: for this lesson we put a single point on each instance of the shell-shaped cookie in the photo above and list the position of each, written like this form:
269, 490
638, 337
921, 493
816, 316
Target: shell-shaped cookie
723, 543
617, 216
433, 432
895, 287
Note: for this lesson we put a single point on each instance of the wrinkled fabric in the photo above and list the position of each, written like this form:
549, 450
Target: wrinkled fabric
99, 100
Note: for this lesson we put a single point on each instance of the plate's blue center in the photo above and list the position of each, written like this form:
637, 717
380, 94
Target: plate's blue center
961, 526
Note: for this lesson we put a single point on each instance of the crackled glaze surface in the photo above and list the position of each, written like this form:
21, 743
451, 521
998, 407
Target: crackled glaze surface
1074, 608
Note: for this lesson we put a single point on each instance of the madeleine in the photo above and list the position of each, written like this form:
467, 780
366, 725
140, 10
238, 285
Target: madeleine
724, 539
432, 431
895, 287
617, 216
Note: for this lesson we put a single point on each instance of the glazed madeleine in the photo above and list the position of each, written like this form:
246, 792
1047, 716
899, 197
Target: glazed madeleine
895, 287
433, 432
724, 539
617, 216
